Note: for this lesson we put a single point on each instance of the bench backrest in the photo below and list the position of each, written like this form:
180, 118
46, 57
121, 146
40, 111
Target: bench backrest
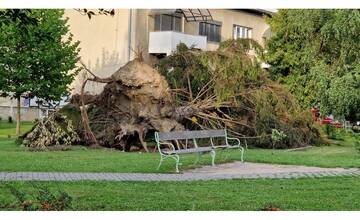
184, 135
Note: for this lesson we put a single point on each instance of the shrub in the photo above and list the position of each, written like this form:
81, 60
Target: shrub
10, 119
43, 200
334, 133
329, 130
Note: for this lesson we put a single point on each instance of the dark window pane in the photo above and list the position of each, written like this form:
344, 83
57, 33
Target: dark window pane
177, 24
166, 23
157, 22
208, 31
212, 31
218, 34
202, 28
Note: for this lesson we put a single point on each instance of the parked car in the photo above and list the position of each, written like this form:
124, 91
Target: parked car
327, 120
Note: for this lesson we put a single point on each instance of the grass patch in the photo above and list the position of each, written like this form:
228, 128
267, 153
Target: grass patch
337, 154
295, 194
14, 157
9, 129
17, 158
328, 193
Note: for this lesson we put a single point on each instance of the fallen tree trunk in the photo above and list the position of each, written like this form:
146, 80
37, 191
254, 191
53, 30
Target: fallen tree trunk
88, 134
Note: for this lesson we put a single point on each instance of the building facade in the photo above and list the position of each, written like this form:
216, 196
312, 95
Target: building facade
108, 42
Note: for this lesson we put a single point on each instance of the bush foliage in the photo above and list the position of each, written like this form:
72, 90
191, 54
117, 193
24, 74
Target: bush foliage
315, 53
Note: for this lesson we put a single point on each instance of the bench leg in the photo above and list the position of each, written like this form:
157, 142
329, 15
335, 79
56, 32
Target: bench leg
177, 160
161, 160
242, 154
213, 154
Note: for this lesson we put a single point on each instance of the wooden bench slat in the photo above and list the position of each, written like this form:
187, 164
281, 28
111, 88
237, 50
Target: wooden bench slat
190, 150
182, 135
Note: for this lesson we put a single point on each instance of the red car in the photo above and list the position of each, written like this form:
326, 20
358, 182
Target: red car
327, 120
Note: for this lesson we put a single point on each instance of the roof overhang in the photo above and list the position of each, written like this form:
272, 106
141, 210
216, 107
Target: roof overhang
190, 15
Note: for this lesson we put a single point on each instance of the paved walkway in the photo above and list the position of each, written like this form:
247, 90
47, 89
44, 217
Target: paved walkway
236, 170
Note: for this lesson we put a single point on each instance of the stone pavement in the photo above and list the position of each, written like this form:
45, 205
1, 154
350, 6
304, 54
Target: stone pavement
236, 170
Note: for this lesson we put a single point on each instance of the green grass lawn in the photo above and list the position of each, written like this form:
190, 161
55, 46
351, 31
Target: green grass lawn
337, 154
17, 158
9, 129
337, 193
293, 194
14, 157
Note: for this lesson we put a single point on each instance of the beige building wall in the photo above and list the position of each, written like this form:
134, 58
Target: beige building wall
229, 18
142, 23
103, 43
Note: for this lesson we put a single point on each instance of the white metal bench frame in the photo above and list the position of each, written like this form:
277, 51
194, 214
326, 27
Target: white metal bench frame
163, 138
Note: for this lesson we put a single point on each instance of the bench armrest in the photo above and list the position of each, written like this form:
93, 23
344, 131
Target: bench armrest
236, 139
165, 143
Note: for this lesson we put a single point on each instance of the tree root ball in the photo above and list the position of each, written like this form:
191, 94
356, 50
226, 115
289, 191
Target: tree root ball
136, 102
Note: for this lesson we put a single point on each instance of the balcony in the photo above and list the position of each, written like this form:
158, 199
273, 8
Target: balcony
165, 42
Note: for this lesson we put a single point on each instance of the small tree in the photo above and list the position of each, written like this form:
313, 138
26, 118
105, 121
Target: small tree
36, 57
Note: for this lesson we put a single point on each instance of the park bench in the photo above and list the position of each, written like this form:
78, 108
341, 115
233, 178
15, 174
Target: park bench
166, 138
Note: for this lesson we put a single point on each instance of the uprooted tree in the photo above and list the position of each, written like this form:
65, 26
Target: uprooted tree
229, 89
194, 90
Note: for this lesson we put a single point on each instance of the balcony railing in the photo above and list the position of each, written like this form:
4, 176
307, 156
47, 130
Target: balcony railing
165, 42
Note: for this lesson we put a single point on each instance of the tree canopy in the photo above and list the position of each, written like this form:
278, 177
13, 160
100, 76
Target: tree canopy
37, 54
316, 54
37, 62
22, 16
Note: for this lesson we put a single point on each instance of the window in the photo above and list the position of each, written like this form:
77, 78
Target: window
211, 30
242, 32
165, 22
